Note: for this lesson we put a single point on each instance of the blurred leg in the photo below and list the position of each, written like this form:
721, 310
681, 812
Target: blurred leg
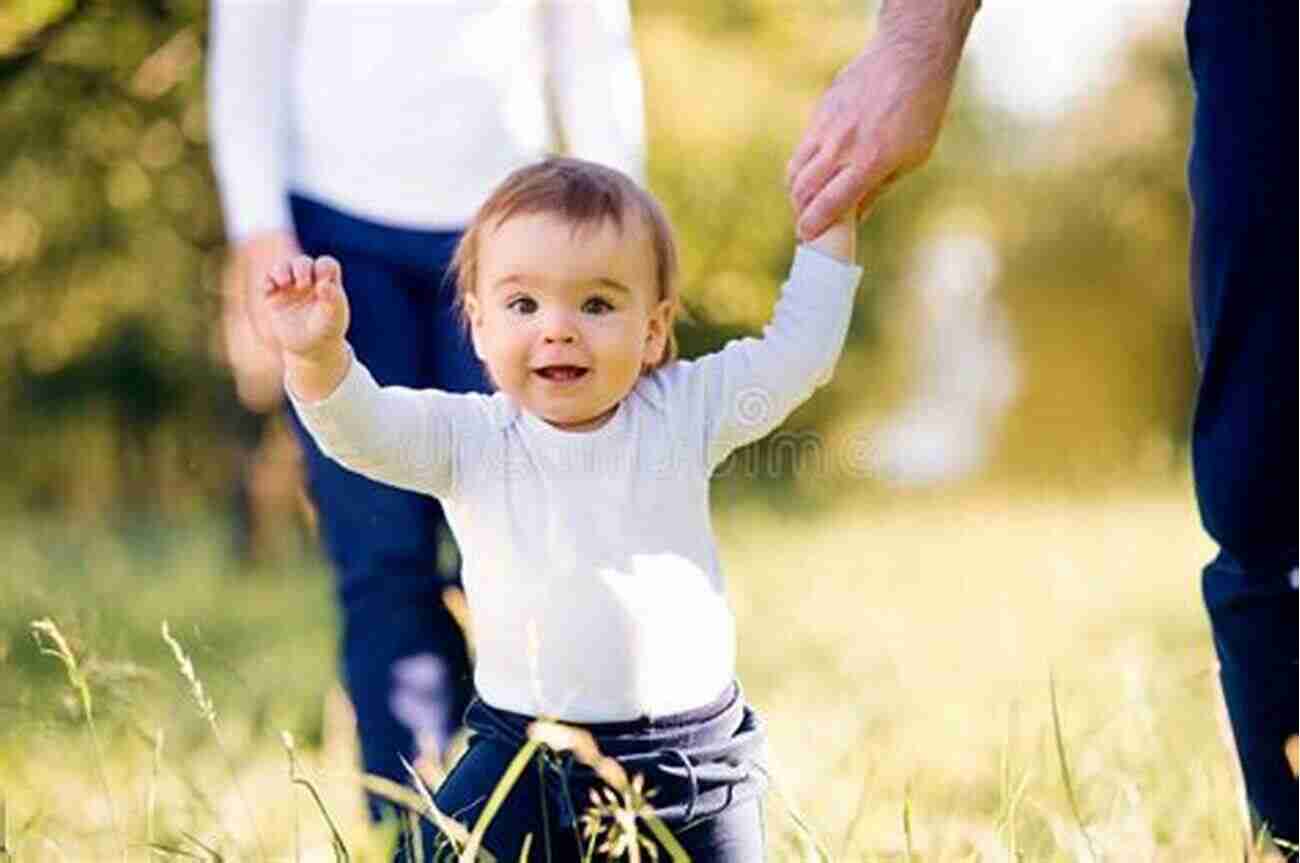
404, 658
1252, 621
451, 364
1245, 430
455, 368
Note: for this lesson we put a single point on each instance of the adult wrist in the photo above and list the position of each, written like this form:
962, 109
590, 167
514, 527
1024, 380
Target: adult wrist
932, 32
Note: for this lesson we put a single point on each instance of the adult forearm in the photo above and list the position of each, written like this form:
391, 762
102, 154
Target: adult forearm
930, 31
248, 73
596, 82
881, 116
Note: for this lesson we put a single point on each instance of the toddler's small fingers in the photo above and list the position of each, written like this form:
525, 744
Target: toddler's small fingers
329, 291
278, 277
301, 272
328, 269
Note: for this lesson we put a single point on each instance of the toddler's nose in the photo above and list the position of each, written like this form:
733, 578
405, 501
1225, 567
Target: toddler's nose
559, 329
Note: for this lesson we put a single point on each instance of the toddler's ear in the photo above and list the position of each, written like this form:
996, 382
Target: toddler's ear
474, 314
473, 311
656, 340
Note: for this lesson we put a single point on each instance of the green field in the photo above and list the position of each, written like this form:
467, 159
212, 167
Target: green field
902, 650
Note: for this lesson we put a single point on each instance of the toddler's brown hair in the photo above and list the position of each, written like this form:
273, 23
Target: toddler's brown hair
583, 194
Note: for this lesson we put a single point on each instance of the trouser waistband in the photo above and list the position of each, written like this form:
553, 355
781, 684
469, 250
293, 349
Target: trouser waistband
700, 762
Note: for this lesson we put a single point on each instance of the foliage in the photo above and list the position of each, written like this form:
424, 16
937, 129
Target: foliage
111, 241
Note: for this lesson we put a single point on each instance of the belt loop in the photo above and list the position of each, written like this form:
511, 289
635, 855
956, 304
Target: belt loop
690, 775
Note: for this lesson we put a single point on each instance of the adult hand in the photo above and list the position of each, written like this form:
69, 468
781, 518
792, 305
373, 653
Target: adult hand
881, 116
255, 257
255, 366
250, 347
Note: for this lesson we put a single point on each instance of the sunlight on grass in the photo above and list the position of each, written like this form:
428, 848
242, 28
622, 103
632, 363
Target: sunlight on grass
907, 655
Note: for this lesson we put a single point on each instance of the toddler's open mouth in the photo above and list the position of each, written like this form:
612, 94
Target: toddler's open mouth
561, 373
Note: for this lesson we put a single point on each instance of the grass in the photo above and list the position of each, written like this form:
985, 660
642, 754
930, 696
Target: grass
965, 677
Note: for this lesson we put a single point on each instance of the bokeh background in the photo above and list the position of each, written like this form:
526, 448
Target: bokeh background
1001, 492
1036, 268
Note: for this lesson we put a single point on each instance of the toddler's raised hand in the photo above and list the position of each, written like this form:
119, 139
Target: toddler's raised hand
306, 307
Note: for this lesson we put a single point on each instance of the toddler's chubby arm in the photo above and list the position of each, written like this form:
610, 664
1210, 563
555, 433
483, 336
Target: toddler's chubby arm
309, 315
395, 435
748, 388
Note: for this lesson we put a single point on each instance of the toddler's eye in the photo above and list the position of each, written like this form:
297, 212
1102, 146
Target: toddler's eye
597, 306
522, 305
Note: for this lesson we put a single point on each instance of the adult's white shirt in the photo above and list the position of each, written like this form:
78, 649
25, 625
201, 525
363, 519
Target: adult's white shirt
409, 112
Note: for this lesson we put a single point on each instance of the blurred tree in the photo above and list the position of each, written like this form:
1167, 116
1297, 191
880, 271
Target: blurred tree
111, 239
1096, 243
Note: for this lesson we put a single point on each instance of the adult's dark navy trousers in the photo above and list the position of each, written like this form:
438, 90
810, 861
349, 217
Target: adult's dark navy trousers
404, 659
1244, 433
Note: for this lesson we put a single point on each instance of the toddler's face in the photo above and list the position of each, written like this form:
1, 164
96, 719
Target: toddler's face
565, 319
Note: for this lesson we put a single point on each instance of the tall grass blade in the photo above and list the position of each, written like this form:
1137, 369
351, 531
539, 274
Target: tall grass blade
5, 856
72, 666
1065, 768
676, 852
907, 825
859, 812
1010, 797
213, 854
558, 737
412, 822
497, 798
152, 800
451, 829
805, 831
528, 846
341, 854
209, 712
172, 851
1287, 847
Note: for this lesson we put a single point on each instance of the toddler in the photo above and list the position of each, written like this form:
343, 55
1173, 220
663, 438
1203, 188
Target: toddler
579, 492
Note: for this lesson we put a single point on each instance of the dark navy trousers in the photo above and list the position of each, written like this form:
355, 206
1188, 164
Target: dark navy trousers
708, 769
404, 659
1244, 433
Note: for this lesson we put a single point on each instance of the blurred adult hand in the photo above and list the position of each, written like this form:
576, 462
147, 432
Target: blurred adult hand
250, 345
881, 116
255, 257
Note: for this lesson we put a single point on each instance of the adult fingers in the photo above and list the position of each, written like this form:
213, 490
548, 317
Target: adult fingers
812, 178
807, 148
838, 195
849, 188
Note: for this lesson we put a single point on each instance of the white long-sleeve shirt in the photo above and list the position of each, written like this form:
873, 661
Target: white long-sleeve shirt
588, 558
409, 112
